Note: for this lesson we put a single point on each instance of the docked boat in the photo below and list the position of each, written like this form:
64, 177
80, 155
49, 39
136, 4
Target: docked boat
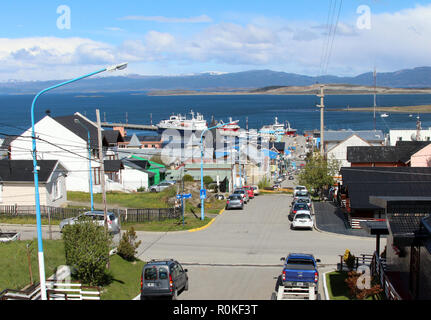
182, 124
384, 115
290, 131
230, 129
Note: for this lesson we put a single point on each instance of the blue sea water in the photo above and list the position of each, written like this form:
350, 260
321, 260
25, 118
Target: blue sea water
300, 111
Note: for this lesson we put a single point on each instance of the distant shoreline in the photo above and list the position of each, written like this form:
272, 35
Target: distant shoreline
407, 109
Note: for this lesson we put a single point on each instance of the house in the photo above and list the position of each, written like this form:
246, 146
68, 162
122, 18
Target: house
338, 152
422, 153
136, 174
332, 138
141, 142
358, 184
408, 247
408, 135
157, 169
65, 140
17, 183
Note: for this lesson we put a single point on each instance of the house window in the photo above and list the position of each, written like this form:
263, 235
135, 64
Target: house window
153, 145
400, 138
114, 176
428, 138
57, 190
96, 176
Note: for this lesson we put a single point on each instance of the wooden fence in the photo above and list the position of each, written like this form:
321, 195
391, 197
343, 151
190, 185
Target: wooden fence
125, 215
378, 270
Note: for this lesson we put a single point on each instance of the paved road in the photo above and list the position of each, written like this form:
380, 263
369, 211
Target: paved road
238, 256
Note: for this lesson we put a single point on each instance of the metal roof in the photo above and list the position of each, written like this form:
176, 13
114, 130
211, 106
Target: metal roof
368, 135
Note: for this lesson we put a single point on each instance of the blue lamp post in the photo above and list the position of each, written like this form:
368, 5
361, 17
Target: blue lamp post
202, 164
89, 161
36, 176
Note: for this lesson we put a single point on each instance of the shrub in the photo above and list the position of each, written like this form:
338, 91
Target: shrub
128, 245
87, 251
207, 180
349, 259
356, 292
264, 183
188, 177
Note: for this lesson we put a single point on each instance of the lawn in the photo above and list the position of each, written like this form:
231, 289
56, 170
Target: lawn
128, 200
337, 288
190, 222
14, 269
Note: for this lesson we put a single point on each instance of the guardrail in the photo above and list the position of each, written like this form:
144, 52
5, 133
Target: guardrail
71, 291
355, 223
378, 270
363, 259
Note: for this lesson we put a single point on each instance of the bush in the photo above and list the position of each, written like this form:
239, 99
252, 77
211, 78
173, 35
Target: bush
128, 245
264, 183
349, 259
188, 178
207, 180
87, 251
356, 292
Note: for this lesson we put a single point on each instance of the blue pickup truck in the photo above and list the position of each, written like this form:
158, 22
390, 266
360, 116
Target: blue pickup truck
300, 270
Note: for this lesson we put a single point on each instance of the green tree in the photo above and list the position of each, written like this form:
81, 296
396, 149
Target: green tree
128, 245
207, 180
188, 177
87, 251
318, 173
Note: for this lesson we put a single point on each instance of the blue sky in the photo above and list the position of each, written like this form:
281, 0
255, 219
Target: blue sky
183, 37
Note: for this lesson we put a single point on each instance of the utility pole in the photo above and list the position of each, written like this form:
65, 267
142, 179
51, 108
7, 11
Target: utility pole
102, 172
322, 107
375, 98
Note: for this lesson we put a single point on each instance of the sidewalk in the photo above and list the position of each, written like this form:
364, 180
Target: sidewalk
330, 218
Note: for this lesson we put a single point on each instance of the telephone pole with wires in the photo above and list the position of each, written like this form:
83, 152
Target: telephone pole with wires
375, 96
322, 126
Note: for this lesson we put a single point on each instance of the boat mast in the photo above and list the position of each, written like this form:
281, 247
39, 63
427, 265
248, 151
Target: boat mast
375, 92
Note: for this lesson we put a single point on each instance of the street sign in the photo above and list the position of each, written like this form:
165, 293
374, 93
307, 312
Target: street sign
203, 193
178, 196
187, 195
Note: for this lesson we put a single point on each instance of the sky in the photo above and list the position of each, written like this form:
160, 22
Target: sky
47, 40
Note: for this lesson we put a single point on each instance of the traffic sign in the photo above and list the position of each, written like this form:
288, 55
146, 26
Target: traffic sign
179, 196
187, 195
203, 193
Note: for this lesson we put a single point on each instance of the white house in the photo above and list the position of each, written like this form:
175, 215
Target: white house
332, 138
408, 135
339, 151
63, 139
17, 183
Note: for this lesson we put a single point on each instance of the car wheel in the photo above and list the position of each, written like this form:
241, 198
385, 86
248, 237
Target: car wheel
175, 294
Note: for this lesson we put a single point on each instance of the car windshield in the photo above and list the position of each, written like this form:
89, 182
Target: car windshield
238, 197
239, 191
300, 206
302, 216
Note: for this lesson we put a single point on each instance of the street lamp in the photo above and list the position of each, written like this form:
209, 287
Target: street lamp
89, 161
36, 168
202, 163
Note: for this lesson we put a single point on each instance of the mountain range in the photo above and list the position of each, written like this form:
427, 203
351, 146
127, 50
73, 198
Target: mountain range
247, 80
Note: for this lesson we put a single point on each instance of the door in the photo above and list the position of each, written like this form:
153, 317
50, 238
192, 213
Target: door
414, 272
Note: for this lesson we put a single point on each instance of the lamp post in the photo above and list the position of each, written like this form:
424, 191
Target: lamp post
202, 163
89, 161
36, 168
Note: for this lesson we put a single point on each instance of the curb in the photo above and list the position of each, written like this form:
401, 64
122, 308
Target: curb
325, 288
207, 225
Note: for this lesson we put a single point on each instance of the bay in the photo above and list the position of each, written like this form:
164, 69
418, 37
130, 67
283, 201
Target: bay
299, 110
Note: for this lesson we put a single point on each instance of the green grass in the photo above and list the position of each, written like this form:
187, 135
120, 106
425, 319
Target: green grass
128, 200
338, 289
126, 277
190, 222
14, 268
26, 220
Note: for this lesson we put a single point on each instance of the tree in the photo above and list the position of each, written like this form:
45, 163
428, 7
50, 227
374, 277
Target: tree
188, 177
318, 173
207, 180
87, 250
128, 245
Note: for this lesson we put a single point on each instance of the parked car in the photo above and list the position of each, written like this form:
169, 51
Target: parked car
163, 278
256, 190
306, 200
303, 220
250, 191
98, 217
296, 207
301, 194
299, 189
276, 186
235, 201
160, 187
244, 194
300, 269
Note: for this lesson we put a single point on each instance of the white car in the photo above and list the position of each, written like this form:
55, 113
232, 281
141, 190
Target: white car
299, 189
303, 220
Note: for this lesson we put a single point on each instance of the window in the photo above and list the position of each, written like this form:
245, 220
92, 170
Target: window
96, 176
163, 273
57, 190
150, 274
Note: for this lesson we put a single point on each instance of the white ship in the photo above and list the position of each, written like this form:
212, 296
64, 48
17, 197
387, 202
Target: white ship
272, 130
181, 123
230, 129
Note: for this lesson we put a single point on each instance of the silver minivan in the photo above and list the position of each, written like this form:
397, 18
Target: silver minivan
163, 278
98, 217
